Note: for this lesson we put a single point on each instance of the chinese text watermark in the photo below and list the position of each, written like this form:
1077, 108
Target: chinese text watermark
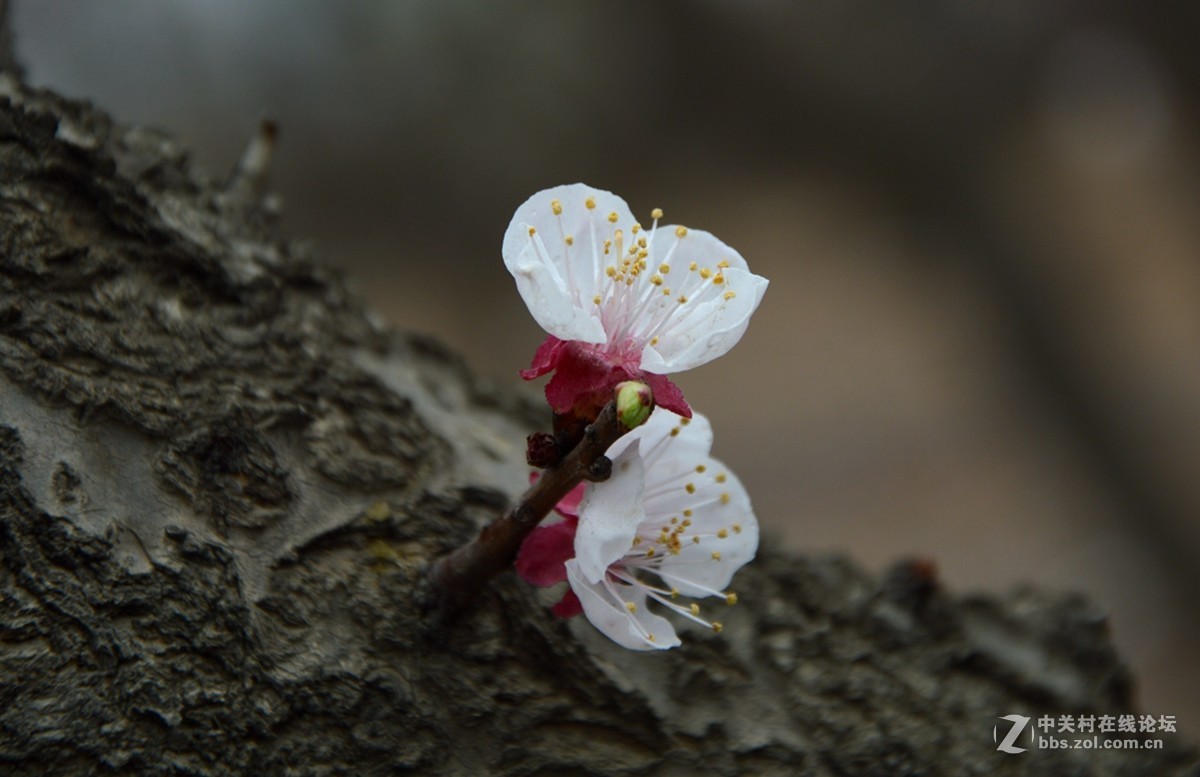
1014, 734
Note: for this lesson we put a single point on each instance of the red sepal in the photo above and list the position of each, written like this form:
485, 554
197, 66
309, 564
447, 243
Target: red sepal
545, 358
569, 606
584, 379
542, 558
667, 394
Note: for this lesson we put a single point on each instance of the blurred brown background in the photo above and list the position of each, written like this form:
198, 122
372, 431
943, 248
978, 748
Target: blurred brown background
979, 219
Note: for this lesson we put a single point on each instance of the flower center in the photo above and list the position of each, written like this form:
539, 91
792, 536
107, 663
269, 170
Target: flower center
640, 295
658, 549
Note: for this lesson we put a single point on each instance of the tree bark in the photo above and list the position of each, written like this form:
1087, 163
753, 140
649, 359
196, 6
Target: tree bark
222, 482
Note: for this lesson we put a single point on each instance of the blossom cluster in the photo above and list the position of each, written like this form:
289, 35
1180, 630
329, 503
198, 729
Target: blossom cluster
621, 302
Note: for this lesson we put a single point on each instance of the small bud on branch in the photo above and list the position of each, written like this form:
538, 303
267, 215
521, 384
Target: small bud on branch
634, 403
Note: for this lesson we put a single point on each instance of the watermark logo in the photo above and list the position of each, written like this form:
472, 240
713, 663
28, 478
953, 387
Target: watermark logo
1019, 722
1098, 732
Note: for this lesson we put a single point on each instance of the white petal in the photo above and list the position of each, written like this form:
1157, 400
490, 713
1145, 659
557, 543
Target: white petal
708, 329
677, 452
583, 260
716, 508
709, 324
636, 630
546, 295
662, 452
699, 246
609, 515
558, 281
672, 461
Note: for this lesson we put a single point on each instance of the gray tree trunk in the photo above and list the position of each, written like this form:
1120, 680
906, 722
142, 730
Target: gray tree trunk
221, 480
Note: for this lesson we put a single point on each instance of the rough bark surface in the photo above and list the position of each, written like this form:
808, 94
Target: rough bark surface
221, 480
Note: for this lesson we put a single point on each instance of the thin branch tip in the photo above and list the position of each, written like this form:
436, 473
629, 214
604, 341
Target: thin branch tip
458, 577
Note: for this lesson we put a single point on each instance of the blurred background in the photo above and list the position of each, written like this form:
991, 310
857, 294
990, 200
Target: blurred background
979, 218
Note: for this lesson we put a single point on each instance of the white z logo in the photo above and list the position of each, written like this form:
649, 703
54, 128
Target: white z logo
1019, 722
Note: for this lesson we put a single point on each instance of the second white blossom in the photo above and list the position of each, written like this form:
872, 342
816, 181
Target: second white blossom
670, 525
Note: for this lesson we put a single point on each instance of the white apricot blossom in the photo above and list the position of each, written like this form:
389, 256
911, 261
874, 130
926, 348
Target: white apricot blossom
670, 524
663, 299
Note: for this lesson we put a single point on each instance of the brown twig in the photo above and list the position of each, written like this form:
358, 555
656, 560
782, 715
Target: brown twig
459, 577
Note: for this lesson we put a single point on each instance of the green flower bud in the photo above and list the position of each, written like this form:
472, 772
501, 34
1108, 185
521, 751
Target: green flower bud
634, 402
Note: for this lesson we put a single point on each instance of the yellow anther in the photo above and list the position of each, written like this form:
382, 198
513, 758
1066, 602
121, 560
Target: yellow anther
691, 488
612, 217
728, 295
701, 468
674, 519
695, 540
556, 206
656, 214
532, 231
720, 477
650, 636
641, 241
718, 279
596, 300
737, 528
590, 203
631, 606
722, 533
610, 271
682, 300
569, 240
656, 279
650, 553
684, 421
680, 231
693, 266
723, 264
705, 273
725, 498
695, 608
674, 593
664, 268
653, 341
731, 598
666, 292
687, 514
716, 555
675, 431
717, 627
637, 539
642, 254
637, 228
